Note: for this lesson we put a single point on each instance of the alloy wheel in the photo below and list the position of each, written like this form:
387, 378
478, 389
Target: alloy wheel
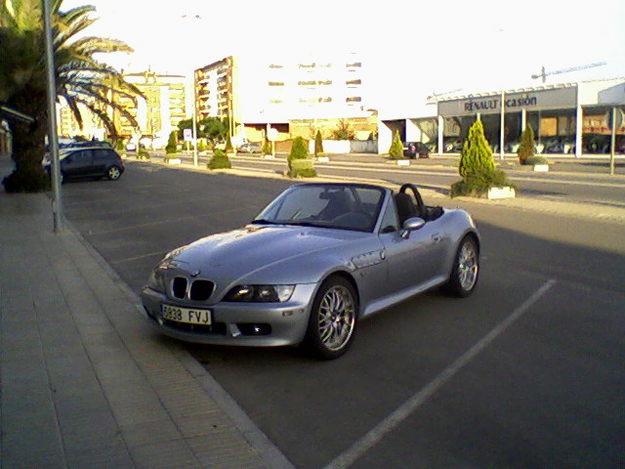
336, 319
467, 266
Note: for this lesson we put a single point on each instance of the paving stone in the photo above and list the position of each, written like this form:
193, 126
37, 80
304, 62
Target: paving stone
164, 455
150, 432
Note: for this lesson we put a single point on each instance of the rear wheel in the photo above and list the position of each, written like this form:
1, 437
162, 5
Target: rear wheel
466, 269
113, 173
333, 319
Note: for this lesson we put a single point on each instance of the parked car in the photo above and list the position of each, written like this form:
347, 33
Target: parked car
315, 261
416, 150
250, 147
94, 161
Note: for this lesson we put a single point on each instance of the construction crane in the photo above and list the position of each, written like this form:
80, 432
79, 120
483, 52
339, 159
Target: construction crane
543, 74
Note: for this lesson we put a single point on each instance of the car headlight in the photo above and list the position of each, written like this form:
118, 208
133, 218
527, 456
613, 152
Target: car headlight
156, 281
260, 293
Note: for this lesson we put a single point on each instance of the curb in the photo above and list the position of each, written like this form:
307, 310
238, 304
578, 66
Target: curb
270, 453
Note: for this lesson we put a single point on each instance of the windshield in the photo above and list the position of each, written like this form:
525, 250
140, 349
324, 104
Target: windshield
347, 207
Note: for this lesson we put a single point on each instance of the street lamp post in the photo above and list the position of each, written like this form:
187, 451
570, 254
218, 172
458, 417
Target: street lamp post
57, 205
194, 123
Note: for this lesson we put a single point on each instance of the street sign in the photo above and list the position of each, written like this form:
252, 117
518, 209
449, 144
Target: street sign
619, 118
272, 134
187, 135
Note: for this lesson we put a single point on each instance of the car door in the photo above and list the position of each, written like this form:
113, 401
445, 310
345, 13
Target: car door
411, 260
101, 159
77, 164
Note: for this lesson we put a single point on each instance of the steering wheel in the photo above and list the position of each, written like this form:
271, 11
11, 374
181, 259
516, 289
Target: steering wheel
417, 196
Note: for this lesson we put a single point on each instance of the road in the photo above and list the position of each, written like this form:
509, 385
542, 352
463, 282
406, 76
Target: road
595, 188
526, 372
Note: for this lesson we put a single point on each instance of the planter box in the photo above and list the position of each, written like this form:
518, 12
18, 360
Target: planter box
323, 159
506, 192
541, 168
174, 161
269, 157
403, 162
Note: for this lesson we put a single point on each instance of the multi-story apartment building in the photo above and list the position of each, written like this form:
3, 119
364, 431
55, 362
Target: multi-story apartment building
308, 90
157, 112
68, 127
160, 109
213, 89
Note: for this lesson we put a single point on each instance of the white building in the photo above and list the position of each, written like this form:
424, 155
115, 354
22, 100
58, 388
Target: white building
278, 89
568, 119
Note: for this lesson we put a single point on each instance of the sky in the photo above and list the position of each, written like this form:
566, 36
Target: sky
411, 49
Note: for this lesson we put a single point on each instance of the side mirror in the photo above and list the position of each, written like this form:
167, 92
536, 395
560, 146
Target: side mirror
412, 224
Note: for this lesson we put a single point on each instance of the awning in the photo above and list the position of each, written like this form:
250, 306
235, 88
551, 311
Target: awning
12, 114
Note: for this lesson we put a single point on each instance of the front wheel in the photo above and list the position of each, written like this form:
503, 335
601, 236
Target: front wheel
333, 319
466, 269
113, 173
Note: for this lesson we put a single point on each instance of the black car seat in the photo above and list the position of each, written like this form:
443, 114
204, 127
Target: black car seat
405, 207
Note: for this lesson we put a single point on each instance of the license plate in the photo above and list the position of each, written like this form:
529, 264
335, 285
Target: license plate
187, 315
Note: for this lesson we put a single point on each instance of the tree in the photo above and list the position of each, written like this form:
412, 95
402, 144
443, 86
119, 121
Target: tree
219, 160
477, 165
396, 151
526, 148
80, 79
318, 144
186, 124
343, 131
172, 144
267, 148
299, 162
213, 129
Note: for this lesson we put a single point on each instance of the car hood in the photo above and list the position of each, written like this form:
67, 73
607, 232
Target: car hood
228, 257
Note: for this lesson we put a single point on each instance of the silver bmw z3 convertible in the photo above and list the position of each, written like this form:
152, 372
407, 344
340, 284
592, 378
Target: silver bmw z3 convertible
317, 259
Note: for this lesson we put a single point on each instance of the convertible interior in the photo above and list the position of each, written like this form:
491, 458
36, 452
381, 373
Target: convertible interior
409, 206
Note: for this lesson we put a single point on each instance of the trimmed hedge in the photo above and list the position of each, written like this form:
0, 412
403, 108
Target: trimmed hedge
172, 145
318, 144
396, 151
302, 168
477, 166
219, 160
143, 154
532, 160
526, 148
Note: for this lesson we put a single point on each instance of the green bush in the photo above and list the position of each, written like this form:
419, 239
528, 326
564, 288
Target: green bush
299, 149
201, 146
119, 146
229, 147
477, 166
532, 160
267, 148
318, 144
396, 151
526, 148
219, 160
302, 168
172, 145
143, 154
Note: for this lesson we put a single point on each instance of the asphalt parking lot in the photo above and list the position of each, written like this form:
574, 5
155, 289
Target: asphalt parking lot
526, 372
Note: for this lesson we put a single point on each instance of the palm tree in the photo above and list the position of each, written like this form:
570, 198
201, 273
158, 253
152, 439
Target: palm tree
80, 78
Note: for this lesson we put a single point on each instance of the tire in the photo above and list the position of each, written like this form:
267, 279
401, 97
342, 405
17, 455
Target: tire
466, 269
326, 322
113, 173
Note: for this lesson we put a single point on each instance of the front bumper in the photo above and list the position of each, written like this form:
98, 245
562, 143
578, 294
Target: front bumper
232, 323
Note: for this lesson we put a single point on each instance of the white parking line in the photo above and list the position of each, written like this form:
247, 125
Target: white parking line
376, 434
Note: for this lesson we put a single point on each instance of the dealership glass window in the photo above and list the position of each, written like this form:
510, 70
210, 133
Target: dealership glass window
428, 133
492, 124
554, 130
455, 130
597, 135
512, 131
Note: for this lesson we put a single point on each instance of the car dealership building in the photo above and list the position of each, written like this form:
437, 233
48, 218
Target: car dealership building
568, 119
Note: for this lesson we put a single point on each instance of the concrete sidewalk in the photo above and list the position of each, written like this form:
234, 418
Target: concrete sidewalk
85, 381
